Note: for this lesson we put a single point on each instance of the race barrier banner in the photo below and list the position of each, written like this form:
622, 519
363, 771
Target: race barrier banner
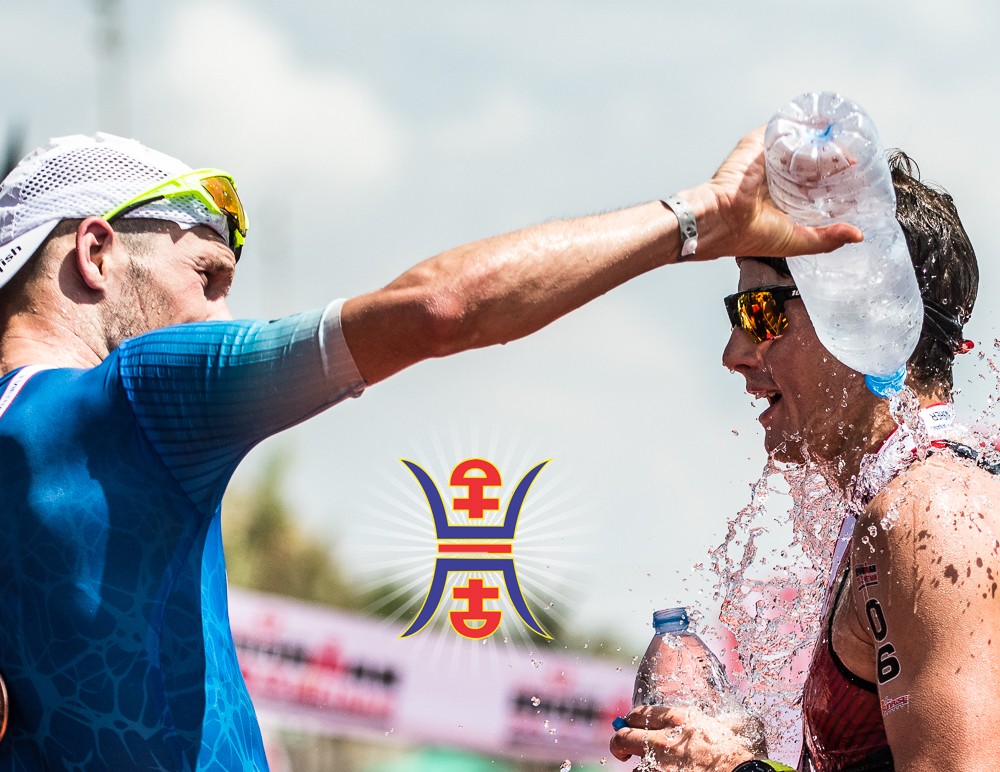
314, 669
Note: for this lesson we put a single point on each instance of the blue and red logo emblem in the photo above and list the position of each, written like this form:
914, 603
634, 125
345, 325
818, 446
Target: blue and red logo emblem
468, 544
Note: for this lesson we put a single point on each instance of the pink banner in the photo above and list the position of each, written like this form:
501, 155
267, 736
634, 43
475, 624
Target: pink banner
327, 671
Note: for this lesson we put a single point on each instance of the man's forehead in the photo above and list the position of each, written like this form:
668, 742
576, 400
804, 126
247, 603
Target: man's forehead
182, 232
209, 233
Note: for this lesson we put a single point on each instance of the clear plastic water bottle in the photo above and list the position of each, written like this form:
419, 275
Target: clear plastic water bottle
678, 668
825, 164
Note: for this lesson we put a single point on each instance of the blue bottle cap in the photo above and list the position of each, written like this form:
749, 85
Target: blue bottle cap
670, 620
619, 723
886, 385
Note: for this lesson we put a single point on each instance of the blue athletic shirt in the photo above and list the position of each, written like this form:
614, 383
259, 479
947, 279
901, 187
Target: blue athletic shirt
114, 629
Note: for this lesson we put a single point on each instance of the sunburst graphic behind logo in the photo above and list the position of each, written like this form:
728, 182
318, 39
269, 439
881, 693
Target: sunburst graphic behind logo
546, 557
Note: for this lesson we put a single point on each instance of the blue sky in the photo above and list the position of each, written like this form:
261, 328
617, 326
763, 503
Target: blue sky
366, 136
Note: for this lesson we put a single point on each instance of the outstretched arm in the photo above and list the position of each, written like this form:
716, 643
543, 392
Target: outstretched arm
504, 288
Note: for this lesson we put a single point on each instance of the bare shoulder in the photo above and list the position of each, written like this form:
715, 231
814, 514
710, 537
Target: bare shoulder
941, 515
926, 493
926, 560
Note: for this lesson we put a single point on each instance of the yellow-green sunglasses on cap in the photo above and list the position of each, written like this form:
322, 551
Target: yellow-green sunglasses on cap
213, 187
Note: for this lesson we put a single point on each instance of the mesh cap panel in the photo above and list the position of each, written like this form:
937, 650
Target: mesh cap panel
79, 176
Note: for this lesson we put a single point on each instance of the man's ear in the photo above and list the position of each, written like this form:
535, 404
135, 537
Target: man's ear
95, 239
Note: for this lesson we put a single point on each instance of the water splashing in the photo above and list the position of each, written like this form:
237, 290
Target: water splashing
772, 597
904, 407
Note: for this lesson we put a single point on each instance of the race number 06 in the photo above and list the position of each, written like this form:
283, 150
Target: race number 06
887, 664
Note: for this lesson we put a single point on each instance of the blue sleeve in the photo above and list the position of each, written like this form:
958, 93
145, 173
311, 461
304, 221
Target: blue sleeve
204, 394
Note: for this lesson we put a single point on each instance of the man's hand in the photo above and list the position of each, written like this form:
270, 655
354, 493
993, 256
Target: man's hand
740, 218
685, 738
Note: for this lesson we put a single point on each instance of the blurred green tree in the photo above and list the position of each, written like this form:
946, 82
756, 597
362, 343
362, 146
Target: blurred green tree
267, 549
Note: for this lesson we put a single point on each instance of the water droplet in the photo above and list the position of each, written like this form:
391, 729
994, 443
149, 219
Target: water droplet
566, 766
535, 701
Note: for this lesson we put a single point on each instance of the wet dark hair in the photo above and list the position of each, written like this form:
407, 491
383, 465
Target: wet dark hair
945, 265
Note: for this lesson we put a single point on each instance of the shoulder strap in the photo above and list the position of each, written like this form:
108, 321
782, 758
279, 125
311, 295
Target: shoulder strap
16, 384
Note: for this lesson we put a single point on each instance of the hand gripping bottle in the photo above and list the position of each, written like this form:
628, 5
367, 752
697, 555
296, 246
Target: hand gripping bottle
825, 164
678, 668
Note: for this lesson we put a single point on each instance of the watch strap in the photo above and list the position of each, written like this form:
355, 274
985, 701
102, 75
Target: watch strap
688, 225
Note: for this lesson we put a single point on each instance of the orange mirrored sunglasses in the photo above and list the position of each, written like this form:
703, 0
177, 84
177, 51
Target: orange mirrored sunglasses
760, 311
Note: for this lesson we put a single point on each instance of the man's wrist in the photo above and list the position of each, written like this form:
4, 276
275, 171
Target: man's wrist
711, 229
687, 224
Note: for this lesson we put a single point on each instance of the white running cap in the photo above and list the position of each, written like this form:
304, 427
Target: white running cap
79, 176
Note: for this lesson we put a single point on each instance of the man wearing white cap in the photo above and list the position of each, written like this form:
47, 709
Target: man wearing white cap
128, 396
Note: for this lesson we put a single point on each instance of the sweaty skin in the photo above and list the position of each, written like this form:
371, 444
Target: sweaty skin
932, 535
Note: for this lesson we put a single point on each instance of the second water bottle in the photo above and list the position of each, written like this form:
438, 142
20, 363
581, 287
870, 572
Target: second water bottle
678, 668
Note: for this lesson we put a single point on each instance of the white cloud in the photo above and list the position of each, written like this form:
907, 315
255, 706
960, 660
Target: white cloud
255, 100
500, 121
